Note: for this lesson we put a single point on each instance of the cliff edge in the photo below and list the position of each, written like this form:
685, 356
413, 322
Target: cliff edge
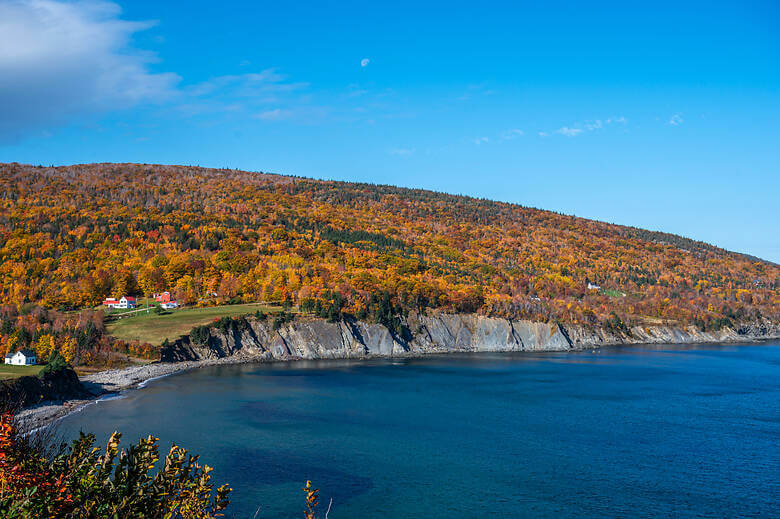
57, 385
314, 338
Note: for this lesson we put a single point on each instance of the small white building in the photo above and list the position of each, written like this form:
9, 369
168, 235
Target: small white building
127, 302
593, 286
21, 358
169, 305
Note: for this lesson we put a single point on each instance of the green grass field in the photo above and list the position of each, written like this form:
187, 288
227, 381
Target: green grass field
154, 329
7, 371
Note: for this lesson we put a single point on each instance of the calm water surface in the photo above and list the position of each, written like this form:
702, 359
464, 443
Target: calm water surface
632, 432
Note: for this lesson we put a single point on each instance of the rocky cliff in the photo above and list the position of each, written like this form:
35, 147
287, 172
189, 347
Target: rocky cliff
56, 385
311, 338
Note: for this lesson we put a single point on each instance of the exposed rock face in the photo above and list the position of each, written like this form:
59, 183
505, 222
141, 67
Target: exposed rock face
584, 338
310, 338
58, 385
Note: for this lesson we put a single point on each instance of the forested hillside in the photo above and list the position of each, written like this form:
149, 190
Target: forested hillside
71, 236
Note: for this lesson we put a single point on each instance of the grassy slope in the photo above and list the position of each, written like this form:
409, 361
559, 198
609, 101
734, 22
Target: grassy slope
155, 328
7, 371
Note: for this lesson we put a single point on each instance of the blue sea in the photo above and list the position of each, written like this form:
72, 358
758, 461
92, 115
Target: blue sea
671, 431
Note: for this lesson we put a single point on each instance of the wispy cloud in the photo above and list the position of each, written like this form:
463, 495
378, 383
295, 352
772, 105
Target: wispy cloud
63, 59
480, 140
676, 120
569, 132
60, 60
589, 126
266, 95
509, 135
595, 125
252, 84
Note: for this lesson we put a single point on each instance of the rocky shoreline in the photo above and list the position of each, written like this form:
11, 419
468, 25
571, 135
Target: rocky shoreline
254, 340
421, 334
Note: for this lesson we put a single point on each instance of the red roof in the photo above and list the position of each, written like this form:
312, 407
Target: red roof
130, 299
163, 297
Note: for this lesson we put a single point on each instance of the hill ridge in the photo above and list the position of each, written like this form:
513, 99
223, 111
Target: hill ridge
292, 177
72, 235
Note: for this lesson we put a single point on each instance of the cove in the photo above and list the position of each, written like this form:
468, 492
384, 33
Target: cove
656, 431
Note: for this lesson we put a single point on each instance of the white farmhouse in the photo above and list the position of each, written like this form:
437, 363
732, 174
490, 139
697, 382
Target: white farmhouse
21, 358
125, 302
169, 305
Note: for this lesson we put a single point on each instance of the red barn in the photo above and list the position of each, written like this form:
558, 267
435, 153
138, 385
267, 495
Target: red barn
165, 297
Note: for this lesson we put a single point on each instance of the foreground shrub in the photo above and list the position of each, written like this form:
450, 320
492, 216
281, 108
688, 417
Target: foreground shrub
80, 481
312, 500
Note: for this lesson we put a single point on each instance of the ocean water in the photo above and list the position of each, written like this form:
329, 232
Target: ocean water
667, 431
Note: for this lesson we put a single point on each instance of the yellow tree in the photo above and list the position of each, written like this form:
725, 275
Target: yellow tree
68, 349
45, 346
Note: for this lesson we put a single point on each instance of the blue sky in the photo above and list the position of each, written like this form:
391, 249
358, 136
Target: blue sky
660, 115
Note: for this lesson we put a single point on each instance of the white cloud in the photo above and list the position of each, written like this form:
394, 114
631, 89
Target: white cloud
569, 132
676, 120
579, 129
364, 62
303, 114
59, 60
511, 134
595, 125
259, 94
481, 140
245, 85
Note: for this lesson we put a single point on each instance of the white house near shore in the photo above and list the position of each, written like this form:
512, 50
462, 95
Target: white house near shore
21, 358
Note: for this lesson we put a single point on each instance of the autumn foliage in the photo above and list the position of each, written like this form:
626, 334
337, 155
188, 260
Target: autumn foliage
71, 236
81, 481
312, 500
77, 337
